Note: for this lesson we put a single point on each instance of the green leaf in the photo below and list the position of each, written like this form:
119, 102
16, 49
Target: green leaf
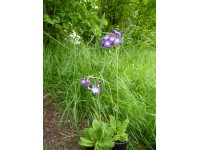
55, 20
145, 2
121, 138
119, 123
124, 124
48, 19
107, 130
96, 124
106, 143
122, 127
89, 133
84, 7
112, 122
99, 134
111, 131
105, 22
82, 143
86, 140
134, 1
121, 131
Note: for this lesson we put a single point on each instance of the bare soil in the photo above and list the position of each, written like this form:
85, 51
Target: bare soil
54, 137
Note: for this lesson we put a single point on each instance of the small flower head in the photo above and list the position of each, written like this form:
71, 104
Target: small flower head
107, 36
117, 40
106, 44
82, 81
118, 34
99, 82
112, 39
85, 82
95, 89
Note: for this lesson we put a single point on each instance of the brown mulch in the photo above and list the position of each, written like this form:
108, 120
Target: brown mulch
54, 137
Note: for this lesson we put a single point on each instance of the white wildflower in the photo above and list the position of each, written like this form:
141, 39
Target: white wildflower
75, 38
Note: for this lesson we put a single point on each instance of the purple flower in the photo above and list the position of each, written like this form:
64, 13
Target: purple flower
99, 82
106, 44
102, 41
117, 33
85, 82
117, 40
82, 81
112, 39
106, 36
95, 89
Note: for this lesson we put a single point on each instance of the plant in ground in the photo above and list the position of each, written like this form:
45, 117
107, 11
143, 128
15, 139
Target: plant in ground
98, 136
102, 136
118, 129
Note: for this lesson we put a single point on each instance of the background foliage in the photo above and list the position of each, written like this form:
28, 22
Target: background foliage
90, 18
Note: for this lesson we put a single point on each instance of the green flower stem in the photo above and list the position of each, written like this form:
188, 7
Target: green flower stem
117, 81
56, 40
99, 108
109, 90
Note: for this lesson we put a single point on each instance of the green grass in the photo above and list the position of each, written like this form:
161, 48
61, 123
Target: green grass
64, 67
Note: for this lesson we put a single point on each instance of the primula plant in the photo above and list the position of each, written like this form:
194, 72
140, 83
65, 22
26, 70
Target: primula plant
98, 136
118, 129
104, 136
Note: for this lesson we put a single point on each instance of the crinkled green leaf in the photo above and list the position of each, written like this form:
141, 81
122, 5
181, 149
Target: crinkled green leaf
89, 133
106, 143
112, 122
96, 124
124, 124
99, 134
122, 128
121, 138
118, 123
86, 144
86, 140
106, 129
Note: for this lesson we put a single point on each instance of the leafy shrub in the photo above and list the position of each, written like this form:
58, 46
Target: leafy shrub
72, 15
90, 18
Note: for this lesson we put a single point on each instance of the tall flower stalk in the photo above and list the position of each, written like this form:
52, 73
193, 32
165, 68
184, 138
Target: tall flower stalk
109, 41
105, 135
117, 80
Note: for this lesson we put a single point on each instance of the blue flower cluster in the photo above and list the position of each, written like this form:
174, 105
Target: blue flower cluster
93, 88
110, 40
